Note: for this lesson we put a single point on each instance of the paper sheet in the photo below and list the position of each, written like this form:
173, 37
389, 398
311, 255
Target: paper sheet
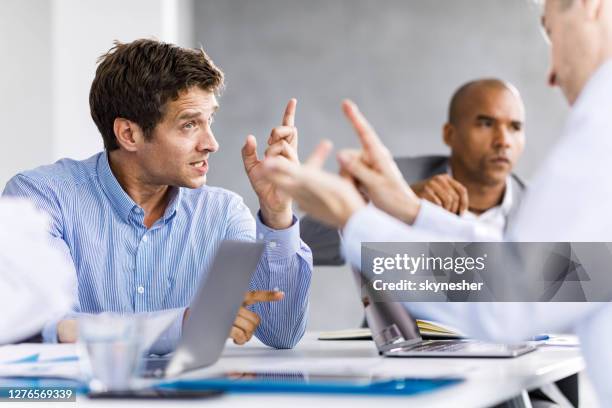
39, 360
62, 360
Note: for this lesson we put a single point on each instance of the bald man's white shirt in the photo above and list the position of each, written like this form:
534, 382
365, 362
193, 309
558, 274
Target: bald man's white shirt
37, 280
569, 200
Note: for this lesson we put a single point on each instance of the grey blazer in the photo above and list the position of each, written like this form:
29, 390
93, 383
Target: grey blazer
325, 242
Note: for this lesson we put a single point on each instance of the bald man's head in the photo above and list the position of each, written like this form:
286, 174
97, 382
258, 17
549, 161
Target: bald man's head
485, 131
464, 98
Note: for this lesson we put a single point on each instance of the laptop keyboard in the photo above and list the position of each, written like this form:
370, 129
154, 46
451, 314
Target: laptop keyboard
462, 348
445, 346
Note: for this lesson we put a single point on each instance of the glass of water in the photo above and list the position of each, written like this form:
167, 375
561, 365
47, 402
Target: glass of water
110, 350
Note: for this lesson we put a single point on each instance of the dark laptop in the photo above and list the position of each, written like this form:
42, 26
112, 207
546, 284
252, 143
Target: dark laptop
396, 334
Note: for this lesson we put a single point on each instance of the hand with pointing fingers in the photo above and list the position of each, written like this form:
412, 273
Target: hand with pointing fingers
333, 199
275, 205
242, 330
375, 172
328, 197
247, 321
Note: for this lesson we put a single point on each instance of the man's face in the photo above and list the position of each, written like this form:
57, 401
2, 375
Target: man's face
488, 138
178, 152
573, 44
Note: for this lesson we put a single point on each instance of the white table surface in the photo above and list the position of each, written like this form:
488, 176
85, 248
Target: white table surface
488, 381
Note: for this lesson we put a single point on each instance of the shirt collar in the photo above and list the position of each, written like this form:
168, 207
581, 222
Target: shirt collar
120, 200
507, 201
177, 194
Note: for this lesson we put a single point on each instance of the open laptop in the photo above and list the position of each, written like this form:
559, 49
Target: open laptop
396, 334
212, 311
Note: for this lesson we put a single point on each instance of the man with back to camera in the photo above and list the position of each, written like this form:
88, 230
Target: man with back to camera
138, 220
485, 134
28, 295
564, 203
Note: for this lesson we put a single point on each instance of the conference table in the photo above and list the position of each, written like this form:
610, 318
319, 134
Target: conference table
487, 381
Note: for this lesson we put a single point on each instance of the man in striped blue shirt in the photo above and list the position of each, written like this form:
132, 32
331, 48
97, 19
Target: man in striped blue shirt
138, 220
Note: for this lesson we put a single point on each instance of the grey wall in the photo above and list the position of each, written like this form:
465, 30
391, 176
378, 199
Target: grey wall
400, 60
25, 86
49, 50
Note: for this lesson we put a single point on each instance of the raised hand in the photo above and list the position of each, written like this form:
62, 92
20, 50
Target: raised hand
375, 171
275, 205
325, 196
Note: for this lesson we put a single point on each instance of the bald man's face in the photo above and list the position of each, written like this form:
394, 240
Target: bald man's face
488, 137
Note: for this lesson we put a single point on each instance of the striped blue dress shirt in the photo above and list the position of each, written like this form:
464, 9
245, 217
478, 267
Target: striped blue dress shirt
124, 267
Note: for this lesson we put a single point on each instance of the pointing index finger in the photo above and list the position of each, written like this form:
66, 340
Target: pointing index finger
367, 135
317, 158
289, 116
257, 296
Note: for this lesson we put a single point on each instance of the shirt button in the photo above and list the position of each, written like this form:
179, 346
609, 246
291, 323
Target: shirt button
140, 290
260, 235
145, 238
272, 244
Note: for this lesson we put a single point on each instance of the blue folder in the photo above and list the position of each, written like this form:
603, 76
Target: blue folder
299, 383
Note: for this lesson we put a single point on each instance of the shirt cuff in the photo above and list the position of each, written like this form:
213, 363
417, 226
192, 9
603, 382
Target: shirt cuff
279, 243
49, 331
431, 216
446, 226
366, 225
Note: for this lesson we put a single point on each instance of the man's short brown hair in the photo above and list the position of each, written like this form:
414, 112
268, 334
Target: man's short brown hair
134, 81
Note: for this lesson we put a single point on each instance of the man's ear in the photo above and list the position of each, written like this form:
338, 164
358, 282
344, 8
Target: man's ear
127, 133
448, 134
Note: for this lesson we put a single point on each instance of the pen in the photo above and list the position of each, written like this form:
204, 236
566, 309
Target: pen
541, 337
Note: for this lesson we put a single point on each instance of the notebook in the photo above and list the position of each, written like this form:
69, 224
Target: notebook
428, 329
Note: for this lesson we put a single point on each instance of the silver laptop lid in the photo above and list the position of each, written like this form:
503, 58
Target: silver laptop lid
389, 321
215, 305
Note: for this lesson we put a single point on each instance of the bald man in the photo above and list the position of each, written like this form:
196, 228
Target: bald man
485, 134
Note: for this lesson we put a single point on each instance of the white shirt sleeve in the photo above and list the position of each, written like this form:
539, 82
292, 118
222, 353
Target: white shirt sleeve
433, 224
493, 321
37, 283
567, 201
